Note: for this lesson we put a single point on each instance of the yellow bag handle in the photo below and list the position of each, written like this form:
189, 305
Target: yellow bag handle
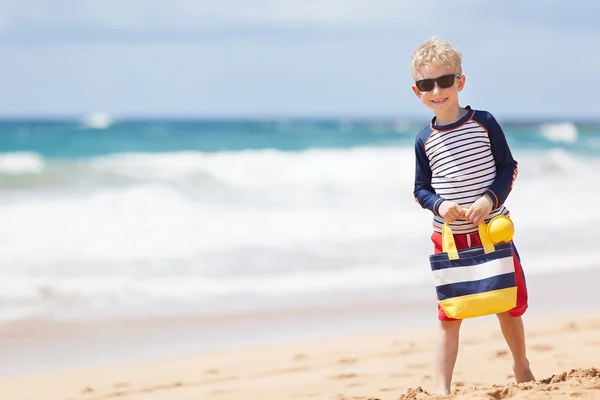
449, 246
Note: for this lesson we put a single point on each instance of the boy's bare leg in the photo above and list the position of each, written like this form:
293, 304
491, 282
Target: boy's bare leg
447, 351
514, 334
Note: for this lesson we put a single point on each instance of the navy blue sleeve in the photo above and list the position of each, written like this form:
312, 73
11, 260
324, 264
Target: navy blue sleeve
506, 165
423, 191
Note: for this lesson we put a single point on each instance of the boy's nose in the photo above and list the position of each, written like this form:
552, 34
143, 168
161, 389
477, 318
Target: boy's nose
436, 88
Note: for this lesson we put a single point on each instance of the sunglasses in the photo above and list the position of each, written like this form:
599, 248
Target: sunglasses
444, 82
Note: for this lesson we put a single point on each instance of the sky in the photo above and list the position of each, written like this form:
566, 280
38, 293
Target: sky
292, 58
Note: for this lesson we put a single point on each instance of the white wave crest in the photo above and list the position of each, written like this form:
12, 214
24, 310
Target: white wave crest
262, 168
21, 163
98, 120
560, 132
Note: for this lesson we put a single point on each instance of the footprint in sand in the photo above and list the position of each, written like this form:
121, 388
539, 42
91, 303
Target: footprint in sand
299, 357
211, 371
290, 370
121, 385
344, 376
87, 389
542, 347
389, 389
500, 353
166, 386
347, 360
355, 384
571, 326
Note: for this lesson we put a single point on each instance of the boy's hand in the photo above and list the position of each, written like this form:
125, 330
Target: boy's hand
479, 210
450, 211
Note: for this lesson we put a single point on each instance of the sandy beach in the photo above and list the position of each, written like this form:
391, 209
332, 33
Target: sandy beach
374, 362
384, 365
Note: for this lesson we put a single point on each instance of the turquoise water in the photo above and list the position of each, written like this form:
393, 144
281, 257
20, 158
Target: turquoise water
73, 139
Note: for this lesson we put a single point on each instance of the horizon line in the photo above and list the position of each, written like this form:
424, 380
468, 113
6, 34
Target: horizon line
75, 117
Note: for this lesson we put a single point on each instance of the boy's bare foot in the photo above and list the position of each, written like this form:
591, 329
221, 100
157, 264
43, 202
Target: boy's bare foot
523, 373
442, 391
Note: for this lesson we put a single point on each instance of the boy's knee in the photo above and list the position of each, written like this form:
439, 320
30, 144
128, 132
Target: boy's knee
507, 317
450, 326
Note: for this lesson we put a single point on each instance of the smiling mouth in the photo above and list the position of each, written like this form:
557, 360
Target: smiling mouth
439, 101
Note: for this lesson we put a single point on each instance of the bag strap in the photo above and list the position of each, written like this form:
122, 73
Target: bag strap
486, 242
449, 245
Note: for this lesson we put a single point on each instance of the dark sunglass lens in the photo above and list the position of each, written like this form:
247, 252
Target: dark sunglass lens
425, 85
445, 81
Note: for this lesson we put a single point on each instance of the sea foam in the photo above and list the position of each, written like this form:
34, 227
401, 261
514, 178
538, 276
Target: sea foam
218, 231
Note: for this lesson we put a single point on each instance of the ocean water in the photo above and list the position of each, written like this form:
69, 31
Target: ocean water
123, 218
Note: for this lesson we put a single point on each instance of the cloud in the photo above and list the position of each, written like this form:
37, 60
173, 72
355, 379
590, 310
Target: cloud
181, 20
78, 20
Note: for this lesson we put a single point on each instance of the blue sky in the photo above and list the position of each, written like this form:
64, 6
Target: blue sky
277, 58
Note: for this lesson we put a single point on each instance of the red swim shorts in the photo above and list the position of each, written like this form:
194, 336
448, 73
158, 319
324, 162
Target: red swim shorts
471, 240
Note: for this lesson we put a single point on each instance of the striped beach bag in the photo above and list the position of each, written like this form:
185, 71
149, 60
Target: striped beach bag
476, 281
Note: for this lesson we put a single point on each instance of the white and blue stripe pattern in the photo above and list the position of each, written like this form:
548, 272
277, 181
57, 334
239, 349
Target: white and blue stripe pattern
477, 283
474, 273
463, 168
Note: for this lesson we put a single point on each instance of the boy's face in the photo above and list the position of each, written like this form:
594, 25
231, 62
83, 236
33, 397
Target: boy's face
439, 100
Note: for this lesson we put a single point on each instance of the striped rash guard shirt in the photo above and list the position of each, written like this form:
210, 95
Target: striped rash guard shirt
461, 162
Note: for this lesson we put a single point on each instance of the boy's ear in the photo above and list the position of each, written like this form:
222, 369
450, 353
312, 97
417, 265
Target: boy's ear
417, 91
461, 83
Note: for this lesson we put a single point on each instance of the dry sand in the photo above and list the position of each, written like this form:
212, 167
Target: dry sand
564, 354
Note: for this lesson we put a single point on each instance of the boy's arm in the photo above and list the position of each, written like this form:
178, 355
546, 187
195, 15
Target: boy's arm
423, 191
506, 165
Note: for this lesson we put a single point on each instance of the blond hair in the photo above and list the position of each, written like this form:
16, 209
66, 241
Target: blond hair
434, 51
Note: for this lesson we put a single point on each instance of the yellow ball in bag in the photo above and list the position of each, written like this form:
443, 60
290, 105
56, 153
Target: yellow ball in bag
500, 229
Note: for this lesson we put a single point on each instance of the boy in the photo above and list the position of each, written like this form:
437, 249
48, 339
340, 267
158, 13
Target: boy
462, 162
